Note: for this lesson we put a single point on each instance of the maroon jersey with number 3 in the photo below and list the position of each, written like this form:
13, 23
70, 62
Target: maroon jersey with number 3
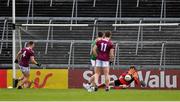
104, 46
26, 55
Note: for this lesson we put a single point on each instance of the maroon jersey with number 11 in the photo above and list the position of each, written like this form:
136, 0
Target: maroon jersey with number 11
26, 56
104, 46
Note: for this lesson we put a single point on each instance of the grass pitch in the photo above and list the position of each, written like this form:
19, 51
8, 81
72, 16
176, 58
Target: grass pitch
83, 95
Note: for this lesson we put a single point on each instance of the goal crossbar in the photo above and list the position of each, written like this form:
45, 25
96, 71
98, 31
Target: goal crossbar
148, 24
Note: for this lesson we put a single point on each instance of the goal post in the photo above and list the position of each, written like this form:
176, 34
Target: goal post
14, 41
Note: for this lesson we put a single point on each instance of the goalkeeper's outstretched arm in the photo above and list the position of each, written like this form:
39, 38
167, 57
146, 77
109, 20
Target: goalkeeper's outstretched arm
139, 82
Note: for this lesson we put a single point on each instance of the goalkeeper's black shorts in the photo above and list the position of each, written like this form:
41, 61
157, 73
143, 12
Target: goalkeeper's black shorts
117, 83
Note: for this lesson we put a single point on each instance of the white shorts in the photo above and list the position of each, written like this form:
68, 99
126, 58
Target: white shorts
24, 69
93, 63
102, 64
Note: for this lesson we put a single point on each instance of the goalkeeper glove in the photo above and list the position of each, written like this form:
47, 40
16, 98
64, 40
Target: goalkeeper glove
143, 83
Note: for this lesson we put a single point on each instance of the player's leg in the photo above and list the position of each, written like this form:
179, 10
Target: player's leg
106, 74
90, 83
24, 82
91, 80
119, 85
28, 84
107, 80
19, 79
96, 76
103, 84
97, 71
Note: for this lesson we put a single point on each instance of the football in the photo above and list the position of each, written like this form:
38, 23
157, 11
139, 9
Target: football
128, 77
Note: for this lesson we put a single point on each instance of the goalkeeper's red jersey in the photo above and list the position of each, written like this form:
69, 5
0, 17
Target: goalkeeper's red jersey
134, 78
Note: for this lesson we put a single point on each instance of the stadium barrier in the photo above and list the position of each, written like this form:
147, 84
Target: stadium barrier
75, 78
42, 78
3, 78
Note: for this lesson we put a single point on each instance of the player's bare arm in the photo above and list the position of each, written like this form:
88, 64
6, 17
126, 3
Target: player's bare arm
33, 61
18, 56
93, 46
111, 54
95, 50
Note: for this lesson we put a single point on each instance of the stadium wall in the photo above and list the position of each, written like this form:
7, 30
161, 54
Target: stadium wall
75, 78
42, 78
153, 78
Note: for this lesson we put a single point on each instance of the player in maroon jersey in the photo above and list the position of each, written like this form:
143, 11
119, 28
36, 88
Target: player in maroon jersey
122, 83
105, 52
23, 58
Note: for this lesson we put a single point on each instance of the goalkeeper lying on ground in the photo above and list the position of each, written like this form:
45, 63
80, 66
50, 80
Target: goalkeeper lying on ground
124, 80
